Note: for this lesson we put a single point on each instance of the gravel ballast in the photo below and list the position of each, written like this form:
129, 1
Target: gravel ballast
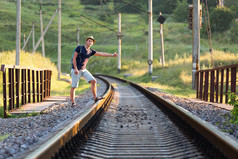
25, 133
214, 115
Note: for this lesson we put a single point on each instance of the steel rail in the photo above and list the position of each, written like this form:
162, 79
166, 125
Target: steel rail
52, 146
225, 144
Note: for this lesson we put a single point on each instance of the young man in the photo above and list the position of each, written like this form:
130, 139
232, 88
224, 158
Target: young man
80, 60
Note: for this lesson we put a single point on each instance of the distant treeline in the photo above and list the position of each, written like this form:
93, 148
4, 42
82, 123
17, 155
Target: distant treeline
164, 6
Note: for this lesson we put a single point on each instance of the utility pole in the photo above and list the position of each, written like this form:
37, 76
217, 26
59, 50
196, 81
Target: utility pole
150, 61
119, 43
59, 40
18, 34
33, 37
162, 43
46, 28
24, 41
78, 36
196, 40
41, 25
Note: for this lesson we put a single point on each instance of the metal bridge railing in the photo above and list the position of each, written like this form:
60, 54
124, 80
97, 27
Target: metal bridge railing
214, 84
22, 85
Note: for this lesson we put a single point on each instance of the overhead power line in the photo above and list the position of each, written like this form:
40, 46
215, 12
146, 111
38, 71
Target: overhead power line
134, 6
99, 23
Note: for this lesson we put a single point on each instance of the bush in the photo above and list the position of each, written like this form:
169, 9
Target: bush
106, 14
232, 97
221, 19
94, 2
234, 32
233, 6
180, 13
166, 7
129, 7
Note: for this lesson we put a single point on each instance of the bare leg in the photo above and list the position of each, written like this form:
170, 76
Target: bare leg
72, 94
94, 88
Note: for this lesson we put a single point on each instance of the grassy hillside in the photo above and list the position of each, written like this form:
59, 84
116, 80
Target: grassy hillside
174, 78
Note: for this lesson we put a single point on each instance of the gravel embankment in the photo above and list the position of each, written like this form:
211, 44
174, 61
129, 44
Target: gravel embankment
214, 115
25, 133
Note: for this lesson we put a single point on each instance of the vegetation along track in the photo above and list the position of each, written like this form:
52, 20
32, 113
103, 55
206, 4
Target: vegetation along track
139, 124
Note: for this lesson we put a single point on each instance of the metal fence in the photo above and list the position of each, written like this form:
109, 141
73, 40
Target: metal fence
22, 85
214, 84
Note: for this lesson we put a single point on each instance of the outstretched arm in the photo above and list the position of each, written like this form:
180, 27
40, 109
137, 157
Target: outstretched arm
104, 54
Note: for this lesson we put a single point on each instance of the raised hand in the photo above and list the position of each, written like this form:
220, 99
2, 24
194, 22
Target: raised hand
115, 54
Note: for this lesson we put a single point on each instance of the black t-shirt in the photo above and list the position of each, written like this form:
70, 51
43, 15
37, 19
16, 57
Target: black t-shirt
82, 58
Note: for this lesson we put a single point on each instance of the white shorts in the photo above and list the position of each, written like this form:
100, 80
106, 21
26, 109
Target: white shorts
75, 78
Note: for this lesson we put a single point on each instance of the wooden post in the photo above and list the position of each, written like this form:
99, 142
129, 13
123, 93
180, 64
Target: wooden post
25, 81
196, 40
59, 40
17, 76
119, 43
18, 34
44, 84
41, 86
10, 90
37, 86
29, 85
33, 86
22, 87
4, 92
162, 43
150, 61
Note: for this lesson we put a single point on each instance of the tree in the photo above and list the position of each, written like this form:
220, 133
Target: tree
211, 3
94, 2
180, 13
221, 19
234, 32
125, 6
166, 7
106, 14
233, 5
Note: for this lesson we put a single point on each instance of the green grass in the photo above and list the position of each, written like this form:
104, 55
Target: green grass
22, 115
2, 137
175, 78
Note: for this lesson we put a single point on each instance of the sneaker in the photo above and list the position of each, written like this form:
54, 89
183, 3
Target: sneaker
73, 104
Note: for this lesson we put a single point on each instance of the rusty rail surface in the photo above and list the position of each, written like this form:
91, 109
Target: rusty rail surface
22, 85
214, 84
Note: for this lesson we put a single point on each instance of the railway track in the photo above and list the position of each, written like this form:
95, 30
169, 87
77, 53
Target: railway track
137, 124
